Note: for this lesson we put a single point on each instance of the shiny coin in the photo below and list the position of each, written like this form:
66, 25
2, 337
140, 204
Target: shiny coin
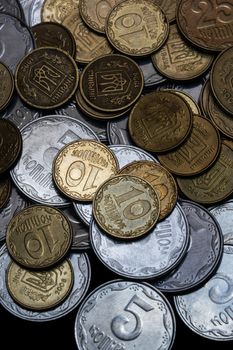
168, 7
204, 98
111, 83
208, 311
10, 144
39, 290
51, 80
118, 133
197, 153
12, 7
6, 85
102, 318
190, 100
38, 237
32, 11
5, 190
81, 167
126, 206
160, 121
223, 215
159, 178
137, 27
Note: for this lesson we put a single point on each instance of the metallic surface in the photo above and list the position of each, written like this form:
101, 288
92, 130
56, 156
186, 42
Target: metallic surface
223, 213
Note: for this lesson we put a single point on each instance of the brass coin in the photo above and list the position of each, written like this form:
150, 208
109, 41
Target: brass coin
137, 27
39, 290
179, 60
190, 101
5, 190
159, 178
160, 121
207, 24
126, 206
54, 35
168, 7
38, 236
111, 83
214, 185
228, 142
10, 144
46, 78
204, 98
197, 153
6, 86
81, 167
221, 79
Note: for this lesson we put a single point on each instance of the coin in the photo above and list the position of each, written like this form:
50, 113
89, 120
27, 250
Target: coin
39, 290
151, 76
54, 35
117, 131
111, 83
197, 153
32, 11
190, 100
38, 237
6, 86
159, 178
10, 144
102, 317
179, 60
160, 121
223, 215
12, 7
206, 24
5, 190
204, 98
215, 184
81, 167
51, 80
168, 7
137, 27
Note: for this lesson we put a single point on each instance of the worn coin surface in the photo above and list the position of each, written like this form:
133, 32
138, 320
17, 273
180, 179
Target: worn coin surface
151, 76
168, 7
190, 100
12, 7
137, 27
223, 215
32, 11
204, 98
118, 132
38, 236
160, 121
81, 167
5, 190
208, 311
6, 86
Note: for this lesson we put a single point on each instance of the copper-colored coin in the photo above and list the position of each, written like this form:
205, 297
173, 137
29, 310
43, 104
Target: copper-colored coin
39, 290
168, 7
178, 60
5, 190
204, 98
228, 142
207, 24
197, 153
111, 83
214, 185
222, 79
126, 206
89, 44
190, 101
81, 167
160, 121
38, 236
6, 85
159, 178
137, 27
46, 78
10, 144
54, 35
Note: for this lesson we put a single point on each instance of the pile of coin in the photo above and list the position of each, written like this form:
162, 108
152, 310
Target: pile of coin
116, 128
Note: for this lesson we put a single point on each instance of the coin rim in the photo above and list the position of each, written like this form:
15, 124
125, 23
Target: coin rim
3, 203
7, 101
83, 8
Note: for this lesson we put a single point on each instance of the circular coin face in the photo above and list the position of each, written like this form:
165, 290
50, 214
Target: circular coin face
46, 78
126, 206
137, 27
5, 190
39, 290
168, 7
6, 85
81, 167
38, 237
190, 100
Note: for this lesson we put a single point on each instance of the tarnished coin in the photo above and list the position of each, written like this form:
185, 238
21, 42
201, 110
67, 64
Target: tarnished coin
5, 190
32, 11
223, 215
81, 167
160, 121
126, 206
137, 27
10, 144
39, 290
46, 78
54, 35
197, 153
190, 100
204, 98
38, 237
207, 24
215, 184
159, 178
111, 83
12, 7
168, 7
6, 85
102, 318
208, 311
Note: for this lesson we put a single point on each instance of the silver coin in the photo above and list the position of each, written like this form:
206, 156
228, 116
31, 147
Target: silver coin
150, 256
125, 315
125, 155
117, 131
209, 310
223, 213
16, 40
12, 7
81, 267
32, 11
42, 139
151, 76
19, 113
